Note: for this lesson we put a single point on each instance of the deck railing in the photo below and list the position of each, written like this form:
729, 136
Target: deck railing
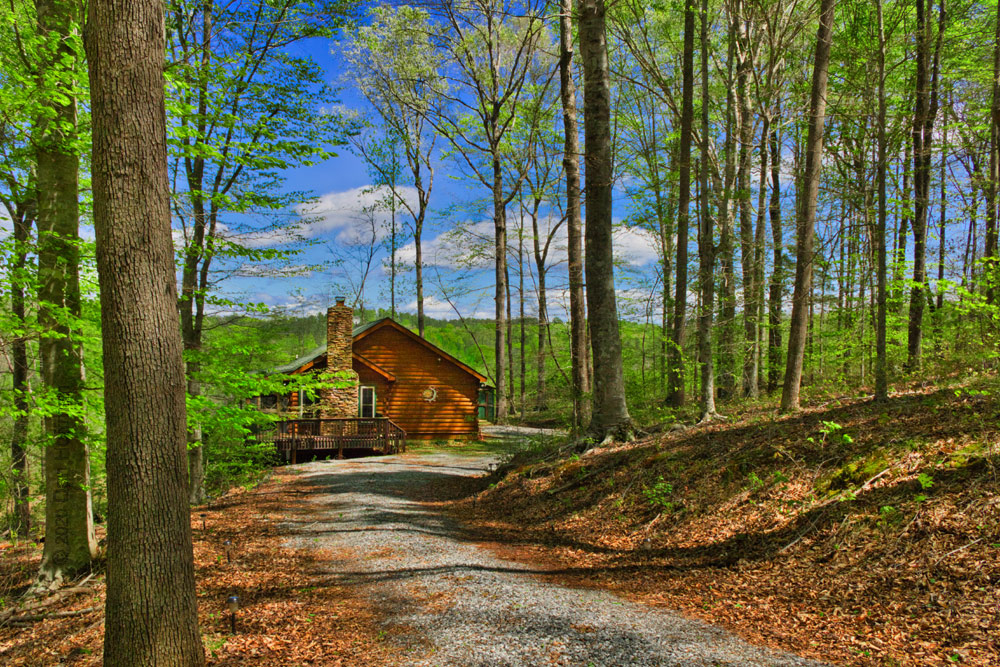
340, 433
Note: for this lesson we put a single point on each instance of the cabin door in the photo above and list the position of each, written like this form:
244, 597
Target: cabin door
366, 402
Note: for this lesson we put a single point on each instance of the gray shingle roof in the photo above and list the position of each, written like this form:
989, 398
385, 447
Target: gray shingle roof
320, 350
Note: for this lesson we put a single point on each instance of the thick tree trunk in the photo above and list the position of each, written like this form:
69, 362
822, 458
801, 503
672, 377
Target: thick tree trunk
151, 609
676, 384
610, 417
799, 325
574, 224
70, 544
21, 217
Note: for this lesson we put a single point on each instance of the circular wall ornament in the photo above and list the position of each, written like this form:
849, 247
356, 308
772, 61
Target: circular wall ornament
430, 394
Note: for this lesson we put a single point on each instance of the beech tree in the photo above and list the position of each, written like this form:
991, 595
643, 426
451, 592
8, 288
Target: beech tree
151, 609
70, 543
928, 57
676, 359
574, 226
706, 245
610, 419
802, 292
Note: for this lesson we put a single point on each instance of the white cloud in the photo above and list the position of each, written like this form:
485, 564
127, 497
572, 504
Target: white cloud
635, 246
471, 247
441, 310
340, 212
468, 248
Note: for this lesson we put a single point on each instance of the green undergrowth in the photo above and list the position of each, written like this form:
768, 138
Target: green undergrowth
499, 447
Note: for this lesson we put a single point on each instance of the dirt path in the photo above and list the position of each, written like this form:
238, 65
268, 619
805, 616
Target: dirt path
447, 601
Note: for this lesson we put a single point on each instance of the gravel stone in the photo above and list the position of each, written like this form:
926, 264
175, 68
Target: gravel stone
447, 601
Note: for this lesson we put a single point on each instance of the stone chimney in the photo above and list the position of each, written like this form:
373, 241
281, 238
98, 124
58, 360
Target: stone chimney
339, 338
340, 401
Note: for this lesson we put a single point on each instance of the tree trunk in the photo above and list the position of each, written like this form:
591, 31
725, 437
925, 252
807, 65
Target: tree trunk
747, 264
942, 239
500, 298
610, 417
520, 305
70, 544
904, 227
706, 244
21, 216
676, 385
196, 260
393, 242
777, 277
666, 222
727, 289
574, 225
759, 251
990, 250
925, 111
418, 261
881, 362
511, 384
543, 313
799, 325
151, 609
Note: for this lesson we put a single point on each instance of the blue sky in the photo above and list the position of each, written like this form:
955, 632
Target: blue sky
340, 184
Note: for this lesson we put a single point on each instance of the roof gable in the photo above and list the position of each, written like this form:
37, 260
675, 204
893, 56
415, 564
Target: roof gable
389, 322
359, 332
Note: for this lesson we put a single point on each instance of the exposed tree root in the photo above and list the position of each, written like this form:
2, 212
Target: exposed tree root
34, 618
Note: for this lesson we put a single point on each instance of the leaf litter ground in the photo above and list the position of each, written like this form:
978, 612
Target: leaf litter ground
290, 614
854, 533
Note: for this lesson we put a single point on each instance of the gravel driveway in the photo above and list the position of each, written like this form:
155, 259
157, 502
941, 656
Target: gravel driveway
447, 601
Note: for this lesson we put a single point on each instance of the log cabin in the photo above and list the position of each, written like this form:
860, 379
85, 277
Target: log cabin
392, 386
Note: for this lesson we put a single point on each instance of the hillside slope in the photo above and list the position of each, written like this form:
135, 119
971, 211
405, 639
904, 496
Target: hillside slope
858, 533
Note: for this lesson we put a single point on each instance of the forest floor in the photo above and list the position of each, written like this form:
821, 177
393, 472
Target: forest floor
291, 614
851, 533
855, 533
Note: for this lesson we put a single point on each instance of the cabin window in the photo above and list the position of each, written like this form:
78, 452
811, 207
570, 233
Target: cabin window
366, 402
308, 400
269, 402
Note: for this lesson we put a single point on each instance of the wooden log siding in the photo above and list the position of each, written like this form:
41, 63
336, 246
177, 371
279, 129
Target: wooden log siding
454, 411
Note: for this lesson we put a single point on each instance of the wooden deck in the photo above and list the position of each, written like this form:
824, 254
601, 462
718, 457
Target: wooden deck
379, 434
